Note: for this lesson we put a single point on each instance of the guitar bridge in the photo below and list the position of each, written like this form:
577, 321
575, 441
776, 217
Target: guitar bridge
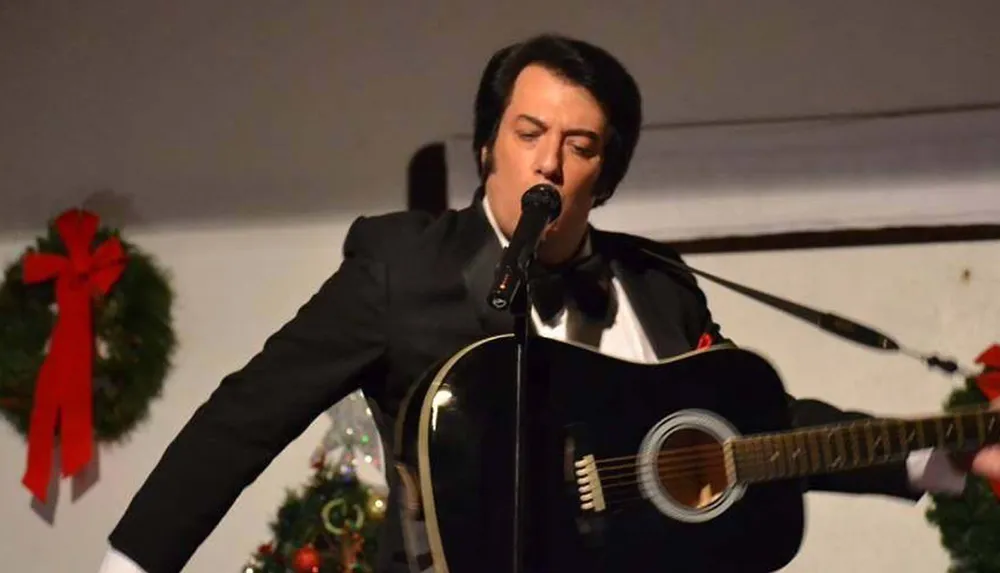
588, 483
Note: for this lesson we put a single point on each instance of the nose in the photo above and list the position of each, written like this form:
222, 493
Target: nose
548, 162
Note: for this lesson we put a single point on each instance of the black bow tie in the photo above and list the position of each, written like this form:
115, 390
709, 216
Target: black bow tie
586, 281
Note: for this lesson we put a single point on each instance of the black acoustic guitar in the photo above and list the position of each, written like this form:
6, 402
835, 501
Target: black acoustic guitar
685, 465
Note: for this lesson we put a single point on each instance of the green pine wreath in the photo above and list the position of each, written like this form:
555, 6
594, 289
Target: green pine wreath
134, 339
969, 524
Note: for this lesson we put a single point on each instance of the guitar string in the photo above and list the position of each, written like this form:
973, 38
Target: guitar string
662, 473
754, 466
671, 463
806, 434
663, 476
778, 446
697, 456
617, 495
685, 456
602, 463
745, 461
698, 460
767, 440
614, 492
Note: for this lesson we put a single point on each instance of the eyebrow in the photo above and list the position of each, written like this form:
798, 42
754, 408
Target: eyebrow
542, 125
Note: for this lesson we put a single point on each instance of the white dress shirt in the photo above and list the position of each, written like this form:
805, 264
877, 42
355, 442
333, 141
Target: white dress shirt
929, 470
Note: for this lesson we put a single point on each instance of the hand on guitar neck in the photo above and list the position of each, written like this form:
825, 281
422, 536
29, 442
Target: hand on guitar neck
984, 462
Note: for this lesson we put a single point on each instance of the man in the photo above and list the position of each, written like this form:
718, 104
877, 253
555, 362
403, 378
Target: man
411, 291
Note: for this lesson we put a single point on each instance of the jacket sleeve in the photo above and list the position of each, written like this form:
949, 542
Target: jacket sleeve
892, 479
335, 344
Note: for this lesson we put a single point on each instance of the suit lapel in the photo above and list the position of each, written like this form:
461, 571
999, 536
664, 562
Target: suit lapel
481, 251
651, 294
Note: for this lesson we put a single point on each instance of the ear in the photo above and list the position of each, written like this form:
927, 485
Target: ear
483, 151
597, 193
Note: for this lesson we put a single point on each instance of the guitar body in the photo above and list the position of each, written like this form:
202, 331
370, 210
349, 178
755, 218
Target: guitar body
626, 468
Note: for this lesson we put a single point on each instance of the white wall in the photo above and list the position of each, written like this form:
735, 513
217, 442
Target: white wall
913, 293
234, 287
238, 138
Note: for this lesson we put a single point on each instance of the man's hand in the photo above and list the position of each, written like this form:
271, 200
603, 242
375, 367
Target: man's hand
985, 462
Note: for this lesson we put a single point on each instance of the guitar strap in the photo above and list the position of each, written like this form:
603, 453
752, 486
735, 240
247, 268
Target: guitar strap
837, 325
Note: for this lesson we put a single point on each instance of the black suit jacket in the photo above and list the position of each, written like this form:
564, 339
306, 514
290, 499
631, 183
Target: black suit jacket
410, 291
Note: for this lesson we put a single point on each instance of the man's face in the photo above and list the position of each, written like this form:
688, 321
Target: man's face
551, 132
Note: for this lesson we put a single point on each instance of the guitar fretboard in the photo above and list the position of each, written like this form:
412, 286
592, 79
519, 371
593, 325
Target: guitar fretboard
854, 445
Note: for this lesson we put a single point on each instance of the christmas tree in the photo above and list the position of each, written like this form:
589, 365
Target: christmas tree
330, 524
327, 527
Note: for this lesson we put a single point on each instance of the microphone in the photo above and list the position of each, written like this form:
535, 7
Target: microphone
539, 205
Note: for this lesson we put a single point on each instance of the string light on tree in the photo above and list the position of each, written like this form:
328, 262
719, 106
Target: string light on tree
328, 526
353, 439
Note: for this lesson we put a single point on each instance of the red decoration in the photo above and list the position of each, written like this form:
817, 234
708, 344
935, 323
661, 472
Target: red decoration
63, 389
319, 463
989, 384
352, 545
704, 342
306, 560
989, 380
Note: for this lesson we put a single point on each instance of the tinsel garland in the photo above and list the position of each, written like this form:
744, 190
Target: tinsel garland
133, 333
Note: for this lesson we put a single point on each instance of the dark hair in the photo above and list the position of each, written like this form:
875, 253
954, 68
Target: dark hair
581, 63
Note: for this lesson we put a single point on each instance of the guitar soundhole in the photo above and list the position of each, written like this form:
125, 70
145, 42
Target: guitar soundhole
682, 466
691, 468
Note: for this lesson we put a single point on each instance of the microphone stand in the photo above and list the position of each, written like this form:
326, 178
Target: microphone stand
520, 306
513, 293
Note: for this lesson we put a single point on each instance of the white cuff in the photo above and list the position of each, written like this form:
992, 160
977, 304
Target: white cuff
115, 562
932, 471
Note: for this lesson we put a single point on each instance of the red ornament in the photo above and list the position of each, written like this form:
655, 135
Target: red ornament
306, 560
63, 389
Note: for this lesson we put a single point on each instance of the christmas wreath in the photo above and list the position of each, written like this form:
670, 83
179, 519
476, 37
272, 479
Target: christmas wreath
968, 523
85, 342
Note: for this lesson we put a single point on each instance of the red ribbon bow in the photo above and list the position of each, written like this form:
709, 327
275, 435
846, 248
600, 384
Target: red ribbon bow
989, 384
63, 389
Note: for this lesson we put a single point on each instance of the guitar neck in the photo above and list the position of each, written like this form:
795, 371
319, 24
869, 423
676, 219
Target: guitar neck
860, 444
